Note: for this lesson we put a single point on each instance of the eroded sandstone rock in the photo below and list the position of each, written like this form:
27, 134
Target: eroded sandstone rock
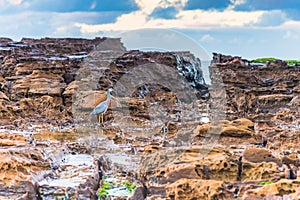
283, 189
198, 189
59, 81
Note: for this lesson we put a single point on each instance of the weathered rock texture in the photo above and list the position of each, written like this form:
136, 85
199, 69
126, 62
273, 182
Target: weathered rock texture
35, 75
266, 93
49, 85
259, 140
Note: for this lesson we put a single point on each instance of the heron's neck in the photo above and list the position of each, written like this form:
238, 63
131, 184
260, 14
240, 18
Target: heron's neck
108, 96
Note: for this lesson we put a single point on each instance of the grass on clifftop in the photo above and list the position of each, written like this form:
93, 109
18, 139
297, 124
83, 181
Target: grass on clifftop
265, 60
293, 62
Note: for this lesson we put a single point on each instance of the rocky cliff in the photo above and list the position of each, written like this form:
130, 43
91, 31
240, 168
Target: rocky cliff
166, 131
38, 77
267, 94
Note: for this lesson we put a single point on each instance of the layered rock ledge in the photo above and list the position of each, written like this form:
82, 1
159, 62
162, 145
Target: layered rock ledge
237, 138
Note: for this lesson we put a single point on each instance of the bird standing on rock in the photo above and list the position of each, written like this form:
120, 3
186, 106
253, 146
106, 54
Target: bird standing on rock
102, 107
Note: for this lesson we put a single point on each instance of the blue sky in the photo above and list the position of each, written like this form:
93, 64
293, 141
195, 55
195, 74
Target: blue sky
247, 28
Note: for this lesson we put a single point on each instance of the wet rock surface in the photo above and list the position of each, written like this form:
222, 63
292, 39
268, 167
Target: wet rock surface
166, 132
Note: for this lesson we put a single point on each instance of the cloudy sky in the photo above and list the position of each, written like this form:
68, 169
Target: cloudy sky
248, 28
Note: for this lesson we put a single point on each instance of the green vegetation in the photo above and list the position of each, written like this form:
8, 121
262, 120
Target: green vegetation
103, 191
265, 60
129, 187
265, 183
293, 62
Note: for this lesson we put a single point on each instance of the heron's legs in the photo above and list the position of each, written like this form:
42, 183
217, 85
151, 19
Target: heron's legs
100, 118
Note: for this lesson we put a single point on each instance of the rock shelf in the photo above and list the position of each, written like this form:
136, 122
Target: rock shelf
166, 132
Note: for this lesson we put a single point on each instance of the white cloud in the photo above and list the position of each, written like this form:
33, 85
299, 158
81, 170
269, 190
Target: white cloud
235, 3
134, 19
8, 3
291, 24
227, 27
217, 19
147, 7
192, 19
291, 35
60, 29
93, 6
16, 2
272, 18
42, 24
206, 38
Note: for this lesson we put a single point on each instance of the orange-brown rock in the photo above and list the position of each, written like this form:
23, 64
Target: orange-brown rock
44, 67
166, 168
236, 128
253, 89
283, 189
239, 131
259, 155
18, 162
54, 83
239, 128
265, 171
291, 159
198, 189
3, 96
12, 140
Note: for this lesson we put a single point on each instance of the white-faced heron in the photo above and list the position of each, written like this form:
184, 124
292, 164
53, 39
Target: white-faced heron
102, 107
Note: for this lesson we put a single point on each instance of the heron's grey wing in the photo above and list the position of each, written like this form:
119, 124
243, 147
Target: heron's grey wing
93, 113
101, 107
96, 110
